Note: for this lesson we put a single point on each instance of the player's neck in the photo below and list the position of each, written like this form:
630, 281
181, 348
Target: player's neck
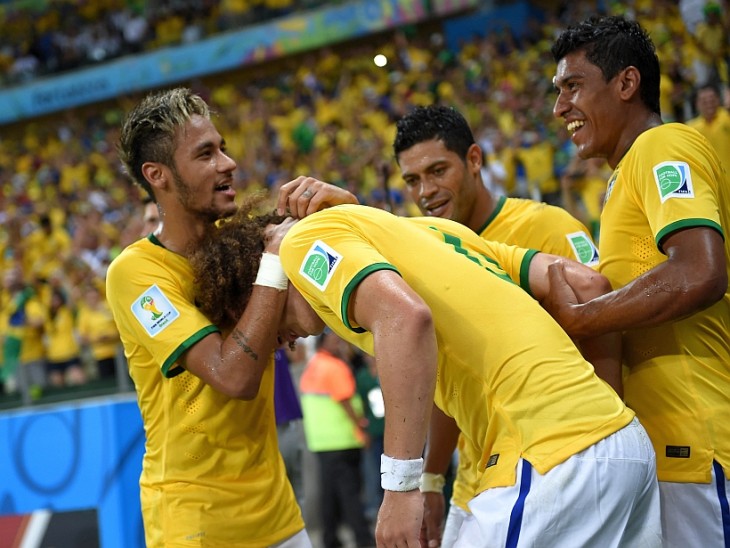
178, 237
484, 206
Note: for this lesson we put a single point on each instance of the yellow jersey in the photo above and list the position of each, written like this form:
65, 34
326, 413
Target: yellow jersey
532, 225
507, 373
678, 381
212, 473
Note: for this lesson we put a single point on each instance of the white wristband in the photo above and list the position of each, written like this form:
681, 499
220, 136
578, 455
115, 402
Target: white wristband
270, 273
432, 483
400, 475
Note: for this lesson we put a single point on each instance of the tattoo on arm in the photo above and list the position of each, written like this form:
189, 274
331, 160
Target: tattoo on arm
240, 339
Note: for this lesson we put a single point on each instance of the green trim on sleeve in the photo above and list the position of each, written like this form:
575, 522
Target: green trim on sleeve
497, 209
685, 223
360, 276
168, 369
525, 270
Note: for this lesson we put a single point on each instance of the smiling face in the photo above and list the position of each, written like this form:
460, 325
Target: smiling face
440, 182
298, 319
590, 106
202, 174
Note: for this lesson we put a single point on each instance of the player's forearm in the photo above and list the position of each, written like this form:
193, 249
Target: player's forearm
602, 351
234, 364
653, 299
407, 361
247, 349
443, 435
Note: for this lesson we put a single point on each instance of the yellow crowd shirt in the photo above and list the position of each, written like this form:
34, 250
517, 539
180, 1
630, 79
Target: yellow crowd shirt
32, 348
508, 374
717, 131
98, 327
61, 342
532, 225
212, 473
678, 378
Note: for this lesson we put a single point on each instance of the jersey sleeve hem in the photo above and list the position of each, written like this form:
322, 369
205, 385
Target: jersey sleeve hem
168, 369
360, 276
525, 270
685, 223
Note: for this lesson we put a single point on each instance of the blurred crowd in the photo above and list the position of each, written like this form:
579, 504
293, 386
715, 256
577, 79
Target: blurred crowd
52, 36
67, 209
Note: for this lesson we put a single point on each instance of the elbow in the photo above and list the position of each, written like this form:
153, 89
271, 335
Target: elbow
246, 391
238, 388
713, 290
421, 320
697, 295
591, 287
600, 286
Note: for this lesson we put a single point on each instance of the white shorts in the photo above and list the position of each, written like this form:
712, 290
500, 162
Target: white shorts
696, 514
606, 495
454, 519
298, 540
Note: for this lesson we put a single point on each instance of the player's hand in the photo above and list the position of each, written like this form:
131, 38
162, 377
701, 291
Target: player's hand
434, 507
399, 520
561, 301
306, 195
274, 234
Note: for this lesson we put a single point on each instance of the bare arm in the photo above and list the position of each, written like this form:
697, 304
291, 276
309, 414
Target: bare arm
582, 284
406, 357
234, 365
306, 195
693, 277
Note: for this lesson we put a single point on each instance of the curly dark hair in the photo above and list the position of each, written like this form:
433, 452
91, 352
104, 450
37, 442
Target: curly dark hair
225, 262
613, 43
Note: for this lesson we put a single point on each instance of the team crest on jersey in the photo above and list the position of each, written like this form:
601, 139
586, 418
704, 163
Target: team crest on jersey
673, 180
584, 249
320, 264
154, 311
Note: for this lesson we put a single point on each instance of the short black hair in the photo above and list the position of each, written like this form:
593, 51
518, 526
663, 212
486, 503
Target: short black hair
613, 43
433, 122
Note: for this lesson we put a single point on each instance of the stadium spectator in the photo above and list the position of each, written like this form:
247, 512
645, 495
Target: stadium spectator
664, 249
336, 432
710, 38
97, 331
150, 217
368, 387
63, 351
288, 411
712, 120
22, 325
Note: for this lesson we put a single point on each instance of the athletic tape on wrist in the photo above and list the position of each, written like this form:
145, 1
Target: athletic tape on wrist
400, 475
270, 273
432, 483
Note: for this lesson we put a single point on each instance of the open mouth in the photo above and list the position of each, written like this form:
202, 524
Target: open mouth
436, 209
575, 125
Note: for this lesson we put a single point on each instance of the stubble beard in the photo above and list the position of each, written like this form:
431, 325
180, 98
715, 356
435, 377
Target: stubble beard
209, 214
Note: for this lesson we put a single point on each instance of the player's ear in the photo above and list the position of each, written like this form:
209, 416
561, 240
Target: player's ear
474, 158
156, 174
629, 82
